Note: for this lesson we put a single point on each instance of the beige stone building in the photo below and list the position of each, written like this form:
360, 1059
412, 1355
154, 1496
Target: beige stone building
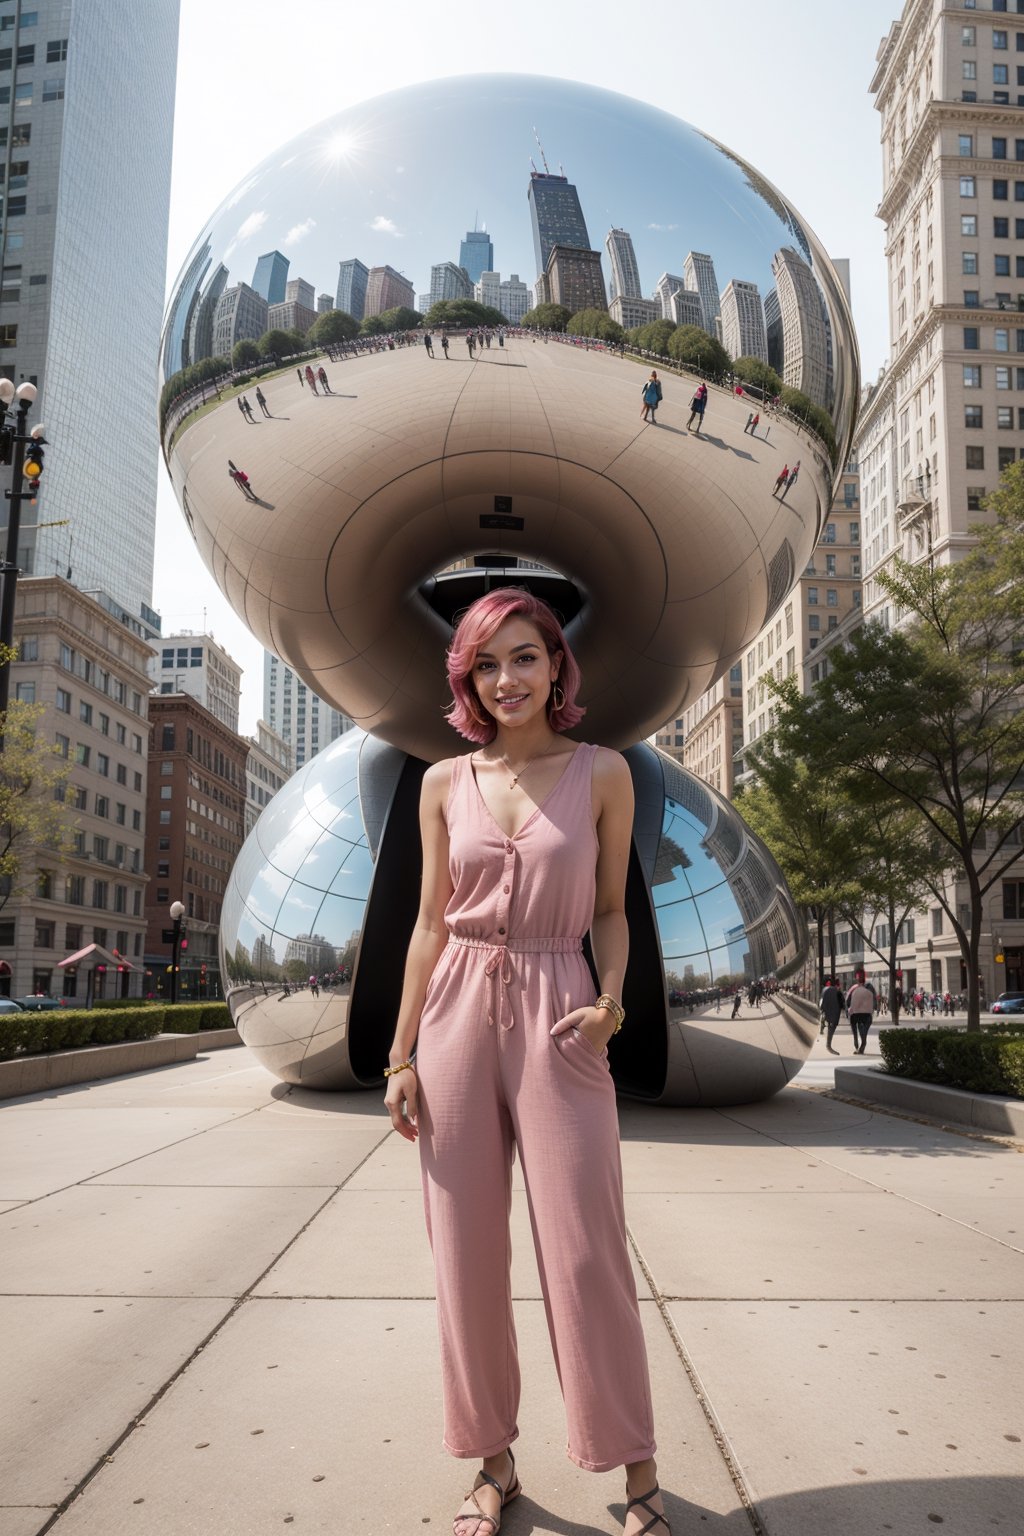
947, 415
269, 764
709, 735
87, 666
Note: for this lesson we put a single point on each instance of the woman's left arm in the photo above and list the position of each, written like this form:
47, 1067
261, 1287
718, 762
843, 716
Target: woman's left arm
609, 933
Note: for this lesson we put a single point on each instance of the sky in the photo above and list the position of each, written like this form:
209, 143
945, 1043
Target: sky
785, 86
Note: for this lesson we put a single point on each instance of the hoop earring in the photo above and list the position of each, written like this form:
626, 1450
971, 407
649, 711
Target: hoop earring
556, 703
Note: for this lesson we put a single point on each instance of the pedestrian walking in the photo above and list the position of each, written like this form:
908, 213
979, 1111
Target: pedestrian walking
241, 479
832, 1007
650, 394
792, 479
261, 401
301, 379
245, 408
470, 342
321, 374
444, 344
698, 405
861, 1004
750, 418
754, 422
311, 379
736, 1004
782, 479
428, 342
511, 1056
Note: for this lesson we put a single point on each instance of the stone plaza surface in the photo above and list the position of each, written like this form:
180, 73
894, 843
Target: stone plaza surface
218, 1318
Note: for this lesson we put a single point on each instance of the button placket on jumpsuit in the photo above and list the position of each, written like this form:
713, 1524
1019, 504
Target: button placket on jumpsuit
492, 1079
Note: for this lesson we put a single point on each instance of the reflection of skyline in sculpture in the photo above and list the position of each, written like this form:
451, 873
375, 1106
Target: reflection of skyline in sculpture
270, 276
557, 218
804, 347
386, 508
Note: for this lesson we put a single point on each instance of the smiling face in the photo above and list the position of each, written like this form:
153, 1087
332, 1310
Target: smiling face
513, 673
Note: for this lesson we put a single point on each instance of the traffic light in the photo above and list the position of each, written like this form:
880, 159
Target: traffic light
32, 469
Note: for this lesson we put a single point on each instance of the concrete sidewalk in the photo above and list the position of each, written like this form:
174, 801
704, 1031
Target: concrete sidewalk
218, 1319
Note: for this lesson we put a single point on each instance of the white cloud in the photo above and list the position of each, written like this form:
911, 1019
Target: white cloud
299, 232
252, 225
385, 226
663, 227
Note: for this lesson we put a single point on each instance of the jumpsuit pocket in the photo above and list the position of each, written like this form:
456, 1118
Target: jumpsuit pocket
588, 1045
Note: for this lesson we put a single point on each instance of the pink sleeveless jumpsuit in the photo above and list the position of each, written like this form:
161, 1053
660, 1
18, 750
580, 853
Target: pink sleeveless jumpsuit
492, 1079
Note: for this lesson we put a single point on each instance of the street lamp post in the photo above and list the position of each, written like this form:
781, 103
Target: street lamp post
13, 444
177, 912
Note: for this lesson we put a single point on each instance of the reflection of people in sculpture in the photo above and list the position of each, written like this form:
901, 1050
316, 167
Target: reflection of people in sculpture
241, 479
525, 848
650, 393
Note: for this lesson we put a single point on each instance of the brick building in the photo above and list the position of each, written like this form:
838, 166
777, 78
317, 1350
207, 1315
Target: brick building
195, 825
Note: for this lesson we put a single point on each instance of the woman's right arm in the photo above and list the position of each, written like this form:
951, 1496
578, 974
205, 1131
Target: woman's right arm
429, 938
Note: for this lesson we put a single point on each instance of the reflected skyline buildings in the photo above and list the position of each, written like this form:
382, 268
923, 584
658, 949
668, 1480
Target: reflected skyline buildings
556, 217
743, 327
271, 276
476, 254
624, 279
353, 277
699, 277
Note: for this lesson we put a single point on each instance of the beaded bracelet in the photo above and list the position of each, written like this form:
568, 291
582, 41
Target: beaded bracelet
402, 1065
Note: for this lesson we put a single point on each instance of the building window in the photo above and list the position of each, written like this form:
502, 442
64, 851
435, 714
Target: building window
63, 701
832, 597
969, 263
967, 186
813, 621
1000, 74
53, 90
969, 70
82, 755
167, 738
1004, 418
969, 224
975, 497
99, 895
44, 935
1002, 378
973, 417
972, 298
1001, 228
166, 791
26, 692
63, 746
102, 806
165, 818
1006, 458
829, 536
966, 142
1002, 264
999, 42
812, 596
855, 533
975, 458
103, 764
56, 52
1013, 899
971, 335
972, 375
968, 37
1002, 339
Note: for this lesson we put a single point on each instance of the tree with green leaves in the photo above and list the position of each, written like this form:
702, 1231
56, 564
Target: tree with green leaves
932, 715
277, 345
596, 323
400, 318
462, 314
754, 370
546, 317
245, 354
34, 818
332, 327
694, 348
655, 337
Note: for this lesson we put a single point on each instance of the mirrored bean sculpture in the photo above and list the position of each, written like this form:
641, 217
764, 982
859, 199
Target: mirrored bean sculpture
404, 363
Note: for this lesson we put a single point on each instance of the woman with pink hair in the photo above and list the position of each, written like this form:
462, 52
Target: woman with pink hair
525, 847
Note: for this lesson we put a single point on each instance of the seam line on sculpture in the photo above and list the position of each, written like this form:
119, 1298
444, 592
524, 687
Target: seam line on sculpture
208, 1338
714, 1424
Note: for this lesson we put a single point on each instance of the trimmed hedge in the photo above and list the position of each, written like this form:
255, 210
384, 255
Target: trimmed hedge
29, 1034
992, 1062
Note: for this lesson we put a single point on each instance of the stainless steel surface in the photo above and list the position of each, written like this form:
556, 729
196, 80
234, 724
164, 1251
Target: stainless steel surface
706, 906
674, 547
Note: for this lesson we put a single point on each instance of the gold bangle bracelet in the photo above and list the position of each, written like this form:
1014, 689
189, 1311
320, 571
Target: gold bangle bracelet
616, 1009
402, 1067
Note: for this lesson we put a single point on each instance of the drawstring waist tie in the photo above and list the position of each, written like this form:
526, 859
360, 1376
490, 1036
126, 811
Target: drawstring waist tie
500, 968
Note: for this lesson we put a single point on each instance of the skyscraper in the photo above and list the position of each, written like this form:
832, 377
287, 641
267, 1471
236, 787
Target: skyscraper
625, 274
387, 289
699, 277
270, 277
743, 329
488, 290
515, 299
668, 283
241, 315
805, 360
200, 337
352, 279
197, 665
574, 278
91, 234
556, 216
447, 281
299, 716
476, 254
182, 312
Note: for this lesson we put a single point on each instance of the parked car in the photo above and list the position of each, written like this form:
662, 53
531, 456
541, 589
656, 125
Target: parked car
39, 1002
9, 1005
1009, 1002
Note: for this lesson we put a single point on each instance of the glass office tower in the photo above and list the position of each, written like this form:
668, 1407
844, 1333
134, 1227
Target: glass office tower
83, 245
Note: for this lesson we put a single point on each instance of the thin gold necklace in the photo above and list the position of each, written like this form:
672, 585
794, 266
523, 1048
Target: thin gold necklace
528, 764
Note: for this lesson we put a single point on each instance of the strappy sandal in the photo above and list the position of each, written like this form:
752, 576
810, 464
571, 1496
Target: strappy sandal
506, 1495
655, 1517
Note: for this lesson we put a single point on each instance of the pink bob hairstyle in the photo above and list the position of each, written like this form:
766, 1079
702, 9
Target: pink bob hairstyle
479, 622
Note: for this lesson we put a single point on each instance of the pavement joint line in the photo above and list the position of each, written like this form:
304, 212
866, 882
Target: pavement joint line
102, 1173
237, 1303
719, 1435
1008, 1143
